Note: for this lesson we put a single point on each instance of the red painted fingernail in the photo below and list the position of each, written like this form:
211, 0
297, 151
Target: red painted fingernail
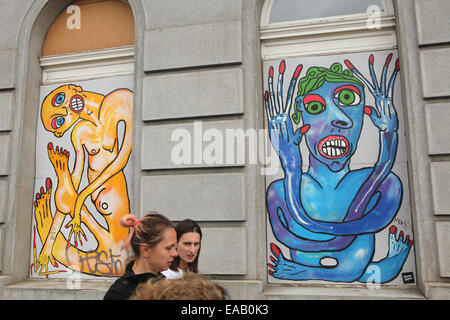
42, 190
407, 237
85, 238
57, 149
401, 234
48, 183
411, 242
367, 111
35, 203
266, 95
272, 259
56, 264
270, 272
297, 71
393, 229
270, 266
271, 72
275, 249
38, 196
76, 243
305, 128
371, 59
50, 146
397, 65
282, 66
349, 64
388, 60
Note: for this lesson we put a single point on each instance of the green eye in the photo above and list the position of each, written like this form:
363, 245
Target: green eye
347, 97
314, 107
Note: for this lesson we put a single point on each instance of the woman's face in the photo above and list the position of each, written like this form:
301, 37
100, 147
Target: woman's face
161, 256
188, 246
335, 114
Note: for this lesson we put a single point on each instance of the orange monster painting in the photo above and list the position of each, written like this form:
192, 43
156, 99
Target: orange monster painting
75, 234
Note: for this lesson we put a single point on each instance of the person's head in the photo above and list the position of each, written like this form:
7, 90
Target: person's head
153, 240
189, 236
61, 108
331, 101
192, 286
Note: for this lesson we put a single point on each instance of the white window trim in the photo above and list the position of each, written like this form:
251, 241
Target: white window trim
87, 65
329, 35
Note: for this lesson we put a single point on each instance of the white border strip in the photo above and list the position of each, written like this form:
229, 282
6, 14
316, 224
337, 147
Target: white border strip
87, 65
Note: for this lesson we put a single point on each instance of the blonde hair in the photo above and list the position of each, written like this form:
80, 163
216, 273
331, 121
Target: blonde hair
192, 286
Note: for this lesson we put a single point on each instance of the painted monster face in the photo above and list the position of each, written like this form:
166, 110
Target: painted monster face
61, 108
335, 115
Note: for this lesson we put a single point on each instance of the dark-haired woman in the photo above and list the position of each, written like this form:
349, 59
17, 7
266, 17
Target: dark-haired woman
153, 241
189, 237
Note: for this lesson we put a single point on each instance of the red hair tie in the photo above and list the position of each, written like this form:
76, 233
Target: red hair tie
135, 223
128, 221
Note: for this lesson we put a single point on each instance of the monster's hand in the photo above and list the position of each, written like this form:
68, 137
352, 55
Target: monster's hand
45, 257
76, 231
384, 115
284, 140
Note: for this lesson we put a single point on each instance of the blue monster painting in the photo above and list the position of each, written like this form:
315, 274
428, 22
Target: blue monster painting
328, 216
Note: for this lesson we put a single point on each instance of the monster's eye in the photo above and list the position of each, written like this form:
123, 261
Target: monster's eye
57, 122
347, 96
314, 107
314, 104
58, 99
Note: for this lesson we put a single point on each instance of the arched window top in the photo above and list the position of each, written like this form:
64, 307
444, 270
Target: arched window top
319, 27
280, 11
88, 25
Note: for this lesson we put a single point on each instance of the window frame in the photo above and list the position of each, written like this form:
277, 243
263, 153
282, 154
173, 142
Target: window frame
87, 65
326, 35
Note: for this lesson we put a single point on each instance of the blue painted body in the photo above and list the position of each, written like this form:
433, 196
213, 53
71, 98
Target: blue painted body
328, 216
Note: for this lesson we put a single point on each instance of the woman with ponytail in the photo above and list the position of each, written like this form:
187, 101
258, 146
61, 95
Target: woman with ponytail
153, 240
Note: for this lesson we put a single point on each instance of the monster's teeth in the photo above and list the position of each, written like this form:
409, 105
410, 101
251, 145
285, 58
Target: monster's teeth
77, 104
334, 148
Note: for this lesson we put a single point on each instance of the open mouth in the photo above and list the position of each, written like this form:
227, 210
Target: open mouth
333, 147
77, 104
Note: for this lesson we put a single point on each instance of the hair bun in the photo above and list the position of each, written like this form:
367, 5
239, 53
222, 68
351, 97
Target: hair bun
128, 220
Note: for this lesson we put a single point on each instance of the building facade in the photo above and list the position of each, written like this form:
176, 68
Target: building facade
308, 141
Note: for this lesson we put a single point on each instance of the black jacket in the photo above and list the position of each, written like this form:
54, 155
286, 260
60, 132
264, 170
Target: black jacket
124, 287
